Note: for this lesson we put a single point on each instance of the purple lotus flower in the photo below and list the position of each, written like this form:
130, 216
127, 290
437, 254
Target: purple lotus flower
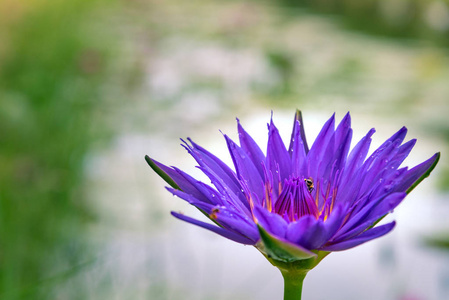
296, 204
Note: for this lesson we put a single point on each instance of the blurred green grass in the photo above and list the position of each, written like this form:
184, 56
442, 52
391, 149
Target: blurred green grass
52, 67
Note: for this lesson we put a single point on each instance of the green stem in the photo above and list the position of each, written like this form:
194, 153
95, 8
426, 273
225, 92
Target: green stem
294, 272
293, 284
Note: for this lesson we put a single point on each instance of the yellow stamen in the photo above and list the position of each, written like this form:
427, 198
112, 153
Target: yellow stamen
317, 193
251, 206
268, 200
334, 195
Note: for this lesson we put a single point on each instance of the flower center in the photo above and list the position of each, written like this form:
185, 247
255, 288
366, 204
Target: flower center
295, 199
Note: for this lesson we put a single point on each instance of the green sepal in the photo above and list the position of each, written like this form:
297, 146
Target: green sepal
161, 173
281, 250
425, 175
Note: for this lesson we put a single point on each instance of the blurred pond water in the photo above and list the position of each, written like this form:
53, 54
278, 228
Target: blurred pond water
189, 69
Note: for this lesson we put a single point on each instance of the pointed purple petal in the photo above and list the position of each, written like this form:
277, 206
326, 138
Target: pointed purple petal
332, 225
298, 152
375, 167
335, 153
297, 229
364, 237
168, 174
343, 128
206, 207
343, 137
210, 162
387, 184
298, 127
414, 176
367, 216
312, 233
316, 153
358, 154
386, 205
218, 230
382, 177
236, 222
196, 188
246, 171
271, 222
398, 136
277, 154
238, 201
402, 154
251, 148
380, 158
349, 184
183, 181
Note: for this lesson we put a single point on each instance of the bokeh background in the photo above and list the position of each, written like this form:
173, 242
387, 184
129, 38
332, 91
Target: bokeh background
88, 87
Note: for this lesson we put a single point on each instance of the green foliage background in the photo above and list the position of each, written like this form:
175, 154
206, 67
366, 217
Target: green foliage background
52, 68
